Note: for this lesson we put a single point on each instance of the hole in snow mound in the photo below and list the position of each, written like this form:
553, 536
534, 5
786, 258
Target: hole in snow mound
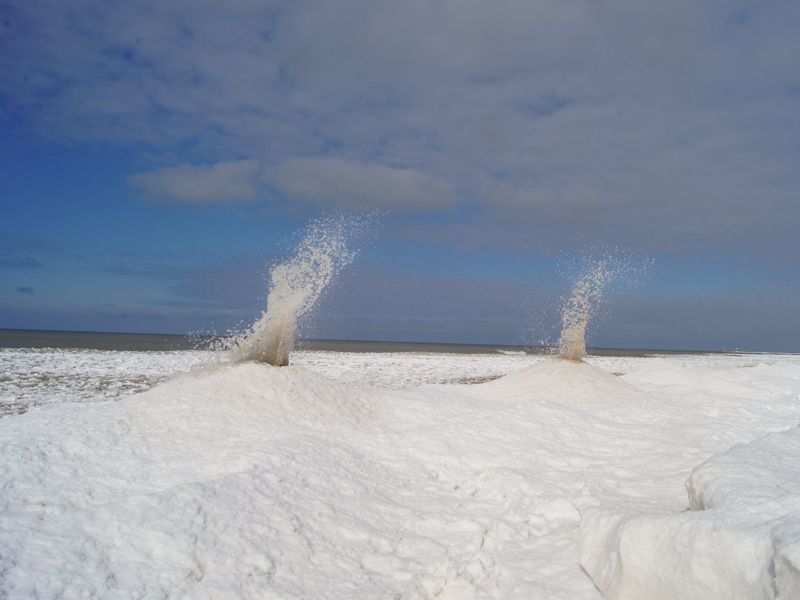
741, 541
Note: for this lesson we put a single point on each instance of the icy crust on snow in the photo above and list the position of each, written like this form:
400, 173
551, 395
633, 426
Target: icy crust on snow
36, 377
741, 539
32, 377
252, 481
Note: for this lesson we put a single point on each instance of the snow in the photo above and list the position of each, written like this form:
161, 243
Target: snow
389, 476
757, 486
34, 377
576, 384
740, 540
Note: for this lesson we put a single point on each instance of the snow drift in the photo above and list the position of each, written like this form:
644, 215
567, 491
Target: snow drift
740, 541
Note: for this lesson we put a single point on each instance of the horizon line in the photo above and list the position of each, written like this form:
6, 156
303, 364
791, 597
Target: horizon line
409, 343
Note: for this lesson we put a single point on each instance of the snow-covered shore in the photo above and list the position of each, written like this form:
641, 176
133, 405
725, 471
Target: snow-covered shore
334, 479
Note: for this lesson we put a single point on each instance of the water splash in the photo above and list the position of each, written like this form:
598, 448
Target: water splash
582, 302
295, 287
587, 294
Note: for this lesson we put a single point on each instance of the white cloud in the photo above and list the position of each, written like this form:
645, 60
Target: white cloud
334, 181
223, 182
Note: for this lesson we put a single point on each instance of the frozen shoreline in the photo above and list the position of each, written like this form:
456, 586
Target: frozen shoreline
41, 376
343, 477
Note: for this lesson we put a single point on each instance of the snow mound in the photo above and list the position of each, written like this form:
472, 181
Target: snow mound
188, 429
257, 390
566, 382
212, 484
741, 540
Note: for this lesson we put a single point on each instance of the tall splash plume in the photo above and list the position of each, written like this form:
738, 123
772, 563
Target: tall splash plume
582, 302
295, 287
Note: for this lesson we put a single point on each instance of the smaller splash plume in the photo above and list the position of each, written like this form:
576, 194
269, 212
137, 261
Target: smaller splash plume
295, 287
583, 300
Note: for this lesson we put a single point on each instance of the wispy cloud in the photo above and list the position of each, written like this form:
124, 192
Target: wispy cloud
19, 263
24, 289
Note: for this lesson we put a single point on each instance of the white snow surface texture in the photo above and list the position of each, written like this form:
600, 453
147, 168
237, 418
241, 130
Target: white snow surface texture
560, 480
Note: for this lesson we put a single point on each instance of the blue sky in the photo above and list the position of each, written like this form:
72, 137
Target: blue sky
155, 156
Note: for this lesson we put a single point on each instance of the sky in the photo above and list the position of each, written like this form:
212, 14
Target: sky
157, 156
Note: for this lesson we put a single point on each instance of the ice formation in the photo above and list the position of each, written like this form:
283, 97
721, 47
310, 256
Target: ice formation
246, 480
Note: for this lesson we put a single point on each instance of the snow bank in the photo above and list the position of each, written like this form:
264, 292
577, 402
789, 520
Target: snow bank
756, 487
251, 481
741, 539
